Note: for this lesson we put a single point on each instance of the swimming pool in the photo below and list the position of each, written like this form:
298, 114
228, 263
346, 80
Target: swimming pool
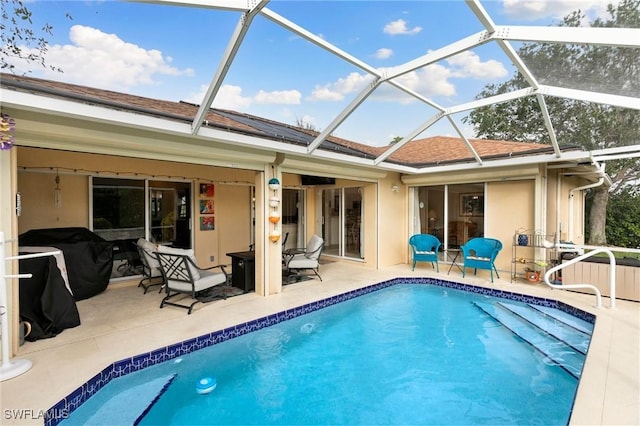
391, 384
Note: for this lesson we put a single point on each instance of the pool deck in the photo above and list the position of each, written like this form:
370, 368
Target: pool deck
122, 322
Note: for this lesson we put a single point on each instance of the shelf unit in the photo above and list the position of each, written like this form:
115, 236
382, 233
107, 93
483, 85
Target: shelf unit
527, 248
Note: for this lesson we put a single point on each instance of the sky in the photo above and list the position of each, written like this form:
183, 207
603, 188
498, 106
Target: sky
172, 52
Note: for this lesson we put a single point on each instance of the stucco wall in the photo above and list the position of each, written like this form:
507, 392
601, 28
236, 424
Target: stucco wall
38, 207
36, 183
392, 228
510, 206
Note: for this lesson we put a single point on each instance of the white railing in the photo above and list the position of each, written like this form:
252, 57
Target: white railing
594, 250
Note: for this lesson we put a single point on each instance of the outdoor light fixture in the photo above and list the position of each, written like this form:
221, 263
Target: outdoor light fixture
57, 192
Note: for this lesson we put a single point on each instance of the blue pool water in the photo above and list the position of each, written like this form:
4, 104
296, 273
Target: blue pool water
405, 354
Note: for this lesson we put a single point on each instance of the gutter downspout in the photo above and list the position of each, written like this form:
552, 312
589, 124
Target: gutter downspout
571, 198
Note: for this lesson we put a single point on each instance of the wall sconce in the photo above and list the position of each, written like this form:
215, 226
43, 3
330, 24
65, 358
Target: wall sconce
395, 188
57, 192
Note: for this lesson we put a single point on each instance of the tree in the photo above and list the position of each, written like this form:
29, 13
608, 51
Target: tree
18, 41
300, 122
395, 140
592, 126
623, 217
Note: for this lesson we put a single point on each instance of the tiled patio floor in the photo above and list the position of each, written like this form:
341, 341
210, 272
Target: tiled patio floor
122, 322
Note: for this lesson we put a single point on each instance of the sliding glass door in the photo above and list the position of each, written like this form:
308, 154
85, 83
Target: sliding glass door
123, 210
341, 219
453, 213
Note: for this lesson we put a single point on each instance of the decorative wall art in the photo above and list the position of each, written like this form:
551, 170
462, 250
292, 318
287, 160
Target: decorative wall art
207, 223
206, 190
207, 220
206, 206
472, 204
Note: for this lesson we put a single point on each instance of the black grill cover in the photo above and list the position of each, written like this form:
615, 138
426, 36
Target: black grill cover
45, 301
89, 257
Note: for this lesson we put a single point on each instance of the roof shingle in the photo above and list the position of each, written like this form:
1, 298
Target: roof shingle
432, 150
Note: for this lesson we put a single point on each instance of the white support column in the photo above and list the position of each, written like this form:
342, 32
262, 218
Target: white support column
262, 234
8, 226
273, 230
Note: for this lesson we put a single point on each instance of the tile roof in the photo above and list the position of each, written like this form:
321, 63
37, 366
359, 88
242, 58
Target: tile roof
420, 152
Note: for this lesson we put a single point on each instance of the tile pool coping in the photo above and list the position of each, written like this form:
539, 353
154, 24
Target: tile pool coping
138, 362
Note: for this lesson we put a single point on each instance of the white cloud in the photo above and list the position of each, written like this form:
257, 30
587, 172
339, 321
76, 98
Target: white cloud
105, 61
354, 82
384, 53
431, 81
531, 10
228, 97
287, 97
231, 97
399, 27
325, 93
468, 64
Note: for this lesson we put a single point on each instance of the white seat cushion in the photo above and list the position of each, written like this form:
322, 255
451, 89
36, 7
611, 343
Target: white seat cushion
302, 262
312, 248
482, 259
148, 248
207, 279
156, 272
424, 252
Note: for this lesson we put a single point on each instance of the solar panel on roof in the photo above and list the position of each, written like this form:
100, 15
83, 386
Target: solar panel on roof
272, 129
289, 134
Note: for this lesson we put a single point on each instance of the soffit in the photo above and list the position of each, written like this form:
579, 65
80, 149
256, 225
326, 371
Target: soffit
484, 175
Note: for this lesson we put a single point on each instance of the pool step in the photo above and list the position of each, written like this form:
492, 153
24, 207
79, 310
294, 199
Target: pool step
568, 319
546, 334
130, 407
552, 325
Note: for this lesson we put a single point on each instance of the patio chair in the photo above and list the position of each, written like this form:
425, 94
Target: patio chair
151, 274
481, 253
424, 248
299, 259
183, 277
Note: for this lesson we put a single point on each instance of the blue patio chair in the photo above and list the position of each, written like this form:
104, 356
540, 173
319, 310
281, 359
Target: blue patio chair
481, 253
424, 248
